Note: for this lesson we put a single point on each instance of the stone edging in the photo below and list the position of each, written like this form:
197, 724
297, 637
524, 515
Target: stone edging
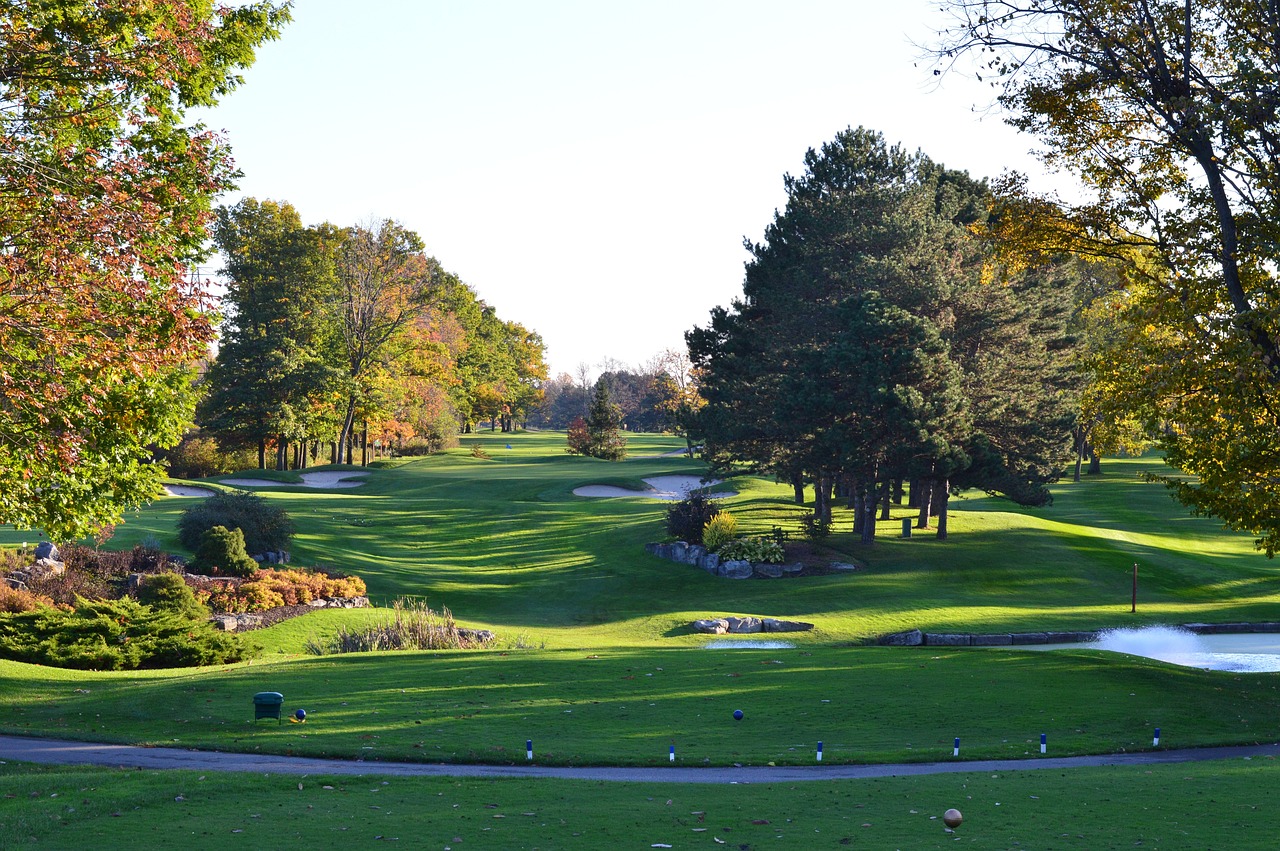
698, 556
916, 638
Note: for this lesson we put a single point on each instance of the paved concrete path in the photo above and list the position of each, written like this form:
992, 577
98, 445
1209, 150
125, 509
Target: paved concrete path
63, 752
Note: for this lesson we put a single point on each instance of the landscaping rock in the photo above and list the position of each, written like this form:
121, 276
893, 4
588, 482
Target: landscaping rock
775, 625
710, 563
840, 565
713, 626
992, 640
1070, 637
736, 569
46, 549
910, 638
1029, 638
233, 622
793, 569
947, 639
745, 626
678, 550
769, 571
693, 554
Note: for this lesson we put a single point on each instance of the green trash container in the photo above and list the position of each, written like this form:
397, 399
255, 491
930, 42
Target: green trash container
266, 704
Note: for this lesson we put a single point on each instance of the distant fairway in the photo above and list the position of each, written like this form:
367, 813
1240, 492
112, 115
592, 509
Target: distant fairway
506, 545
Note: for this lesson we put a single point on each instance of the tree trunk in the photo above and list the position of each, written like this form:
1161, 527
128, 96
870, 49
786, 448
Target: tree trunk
925, 487
897, 491
262, 453
857, 497
944, 496
825, 483
885, 496
868, 512
1095, 464
348, 424
797, 489
364, 445
913, 499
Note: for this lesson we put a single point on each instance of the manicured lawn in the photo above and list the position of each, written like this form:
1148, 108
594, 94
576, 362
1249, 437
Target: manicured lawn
597, 664
628, 706
506, 545
1196, 806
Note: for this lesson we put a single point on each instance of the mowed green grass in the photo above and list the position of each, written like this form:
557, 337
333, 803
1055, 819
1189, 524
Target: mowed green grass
505, 544
1196, 806
598, 665
629, 706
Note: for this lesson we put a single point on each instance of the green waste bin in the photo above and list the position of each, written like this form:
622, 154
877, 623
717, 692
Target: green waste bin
266, 704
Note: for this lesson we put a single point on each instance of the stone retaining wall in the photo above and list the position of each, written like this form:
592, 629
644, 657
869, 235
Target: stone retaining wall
696, 555
916, 638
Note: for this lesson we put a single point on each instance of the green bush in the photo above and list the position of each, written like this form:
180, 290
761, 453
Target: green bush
221, 550
757, 550
197, 457
720, 530
687, 518
265, 527
170, 592
115, 635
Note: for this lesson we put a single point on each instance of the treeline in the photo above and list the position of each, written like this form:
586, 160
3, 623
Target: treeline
342, 340
877, 342
651, 397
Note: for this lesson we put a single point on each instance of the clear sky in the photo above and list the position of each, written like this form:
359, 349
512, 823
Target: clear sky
590, 168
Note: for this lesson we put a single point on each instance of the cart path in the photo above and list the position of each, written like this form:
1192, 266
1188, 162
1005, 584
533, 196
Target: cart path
63, 752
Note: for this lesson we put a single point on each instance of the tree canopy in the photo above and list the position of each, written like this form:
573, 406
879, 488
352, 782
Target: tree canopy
105, 196
1167, 111
868, 345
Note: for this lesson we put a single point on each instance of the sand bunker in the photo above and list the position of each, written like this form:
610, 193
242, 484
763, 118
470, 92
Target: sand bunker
186, 490
670, 488
322, 479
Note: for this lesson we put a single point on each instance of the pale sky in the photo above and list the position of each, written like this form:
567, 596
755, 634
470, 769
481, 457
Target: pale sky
590, 168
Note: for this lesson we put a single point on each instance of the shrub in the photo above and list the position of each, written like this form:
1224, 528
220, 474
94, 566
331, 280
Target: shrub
197, 457
111, 564
116, 635
168, 591
579, 438
758, 550
14, 600
270, 588
264, 526
222, 551
719, 530
687, 518
814, 527
70, 587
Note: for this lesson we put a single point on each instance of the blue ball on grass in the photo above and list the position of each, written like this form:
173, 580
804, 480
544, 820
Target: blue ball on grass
737, 715
301, 715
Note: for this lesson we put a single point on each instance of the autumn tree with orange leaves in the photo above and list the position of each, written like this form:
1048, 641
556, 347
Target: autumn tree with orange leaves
105, 196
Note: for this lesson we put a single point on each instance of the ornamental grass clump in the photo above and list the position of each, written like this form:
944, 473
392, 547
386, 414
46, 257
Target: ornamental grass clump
720, 530
413, 625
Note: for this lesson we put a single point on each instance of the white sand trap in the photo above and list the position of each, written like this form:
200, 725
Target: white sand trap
322, 479
187, 490
670, 488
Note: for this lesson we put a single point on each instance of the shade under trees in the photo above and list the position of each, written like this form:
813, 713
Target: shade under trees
107, 189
